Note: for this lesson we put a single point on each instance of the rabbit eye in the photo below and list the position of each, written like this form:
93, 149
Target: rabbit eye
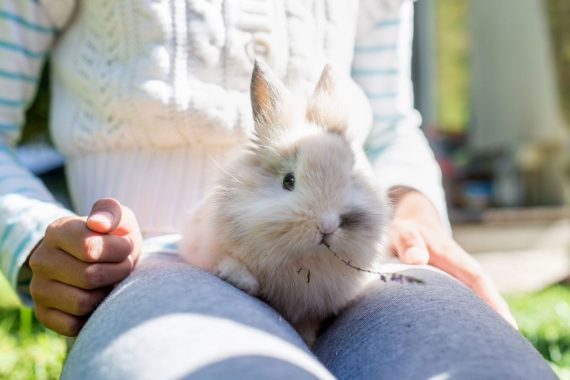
289, 181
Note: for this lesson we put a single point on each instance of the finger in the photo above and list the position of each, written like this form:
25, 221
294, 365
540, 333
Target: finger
73, 237
62, 267
68, 299
408, 243
486, 289
59, 321
109, 216
454, 260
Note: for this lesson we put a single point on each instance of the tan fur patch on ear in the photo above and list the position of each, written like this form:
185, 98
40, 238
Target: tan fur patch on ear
326, 83
261, 94
324, 112
268, 99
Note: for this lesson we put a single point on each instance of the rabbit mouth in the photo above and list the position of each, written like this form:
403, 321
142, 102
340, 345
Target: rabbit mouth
324, 239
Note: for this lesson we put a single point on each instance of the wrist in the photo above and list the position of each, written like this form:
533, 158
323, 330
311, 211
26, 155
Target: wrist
413, 205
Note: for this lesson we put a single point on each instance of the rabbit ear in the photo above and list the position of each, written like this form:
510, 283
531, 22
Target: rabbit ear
327, 82
267, 96
325, 107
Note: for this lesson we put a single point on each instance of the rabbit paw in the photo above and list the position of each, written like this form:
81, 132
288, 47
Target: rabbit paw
236, 273
308, 330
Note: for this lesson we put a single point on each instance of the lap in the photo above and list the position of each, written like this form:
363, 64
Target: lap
438, 329
169, 320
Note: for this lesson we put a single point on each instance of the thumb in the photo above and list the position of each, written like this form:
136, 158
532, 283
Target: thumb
408, 243
109, 216
104, 216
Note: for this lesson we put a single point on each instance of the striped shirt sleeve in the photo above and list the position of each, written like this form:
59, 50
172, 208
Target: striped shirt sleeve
397, 148
26, 207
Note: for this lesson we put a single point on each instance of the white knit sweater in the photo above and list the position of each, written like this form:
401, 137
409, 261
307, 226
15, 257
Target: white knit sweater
148, 94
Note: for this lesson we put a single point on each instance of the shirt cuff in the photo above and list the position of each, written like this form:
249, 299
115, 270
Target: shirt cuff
22, 228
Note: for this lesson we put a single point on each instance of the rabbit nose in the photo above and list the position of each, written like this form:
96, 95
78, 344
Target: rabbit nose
329, 223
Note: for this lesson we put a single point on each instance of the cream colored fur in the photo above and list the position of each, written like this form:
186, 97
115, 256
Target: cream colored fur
267, 240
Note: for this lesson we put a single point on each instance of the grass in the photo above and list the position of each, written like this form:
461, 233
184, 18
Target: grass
30, 351
544, 319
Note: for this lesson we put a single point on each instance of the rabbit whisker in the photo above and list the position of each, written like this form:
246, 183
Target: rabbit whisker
223, 169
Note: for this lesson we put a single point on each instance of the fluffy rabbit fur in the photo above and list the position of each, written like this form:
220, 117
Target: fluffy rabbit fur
300, 191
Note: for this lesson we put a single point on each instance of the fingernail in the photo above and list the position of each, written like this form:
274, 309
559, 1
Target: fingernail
417, 255
102, 217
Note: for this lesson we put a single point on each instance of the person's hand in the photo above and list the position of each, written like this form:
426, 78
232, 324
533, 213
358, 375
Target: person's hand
79, 261
417, 236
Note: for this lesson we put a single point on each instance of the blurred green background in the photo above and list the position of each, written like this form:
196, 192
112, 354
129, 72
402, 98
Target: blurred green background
29, 351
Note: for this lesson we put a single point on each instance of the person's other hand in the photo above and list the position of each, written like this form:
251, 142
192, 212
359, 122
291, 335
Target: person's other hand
79, 261
417, 236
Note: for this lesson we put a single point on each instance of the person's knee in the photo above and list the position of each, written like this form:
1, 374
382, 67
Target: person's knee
170, 320
440, 326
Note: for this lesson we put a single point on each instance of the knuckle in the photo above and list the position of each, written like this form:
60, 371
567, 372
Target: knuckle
58, 228
130, 264
36, 263
70, 327
94, 276
130, 244
53, 228
36, 290
92, 247
408, 236
51, 231
127, 245
39, 313
84, 303
126, 267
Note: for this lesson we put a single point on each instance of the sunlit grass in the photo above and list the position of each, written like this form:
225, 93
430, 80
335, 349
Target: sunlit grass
544, 318
27, 350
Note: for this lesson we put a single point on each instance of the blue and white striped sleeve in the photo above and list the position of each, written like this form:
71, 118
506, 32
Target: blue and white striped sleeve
26, 207
396, 147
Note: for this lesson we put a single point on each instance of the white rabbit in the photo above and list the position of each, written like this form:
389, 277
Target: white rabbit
297, 212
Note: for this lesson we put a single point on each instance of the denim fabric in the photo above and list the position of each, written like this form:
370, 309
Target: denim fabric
171, 321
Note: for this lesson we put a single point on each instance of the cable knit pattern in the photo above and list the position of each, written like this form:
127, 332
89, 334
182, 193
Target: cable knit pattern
183, 68
149, 95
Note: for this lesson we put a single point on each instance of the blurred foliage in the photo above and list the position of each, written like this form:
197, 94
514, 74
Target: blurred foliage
37, 115
453, 57
453, 65
544, 319
558, 12
28, 350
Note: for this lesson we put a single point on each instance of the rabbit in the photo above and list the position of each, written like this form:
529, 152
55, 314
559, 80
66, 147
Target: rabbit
298, 214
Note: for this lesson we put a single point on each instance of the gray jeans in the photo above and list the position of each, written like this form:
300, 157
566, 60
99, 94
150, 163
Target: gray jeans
171, 321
